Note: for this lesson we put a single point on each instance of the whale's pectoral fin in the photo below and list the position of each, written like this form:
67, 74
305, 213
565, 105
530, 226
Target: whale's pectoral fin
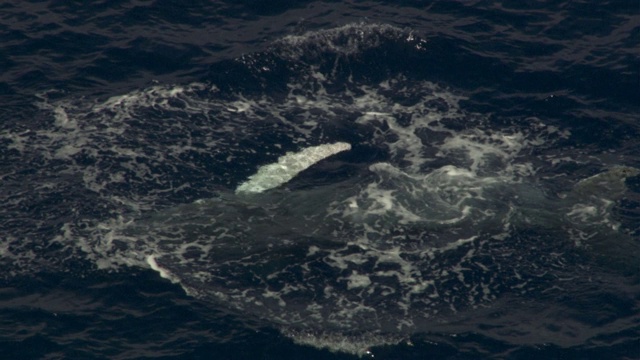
288, 166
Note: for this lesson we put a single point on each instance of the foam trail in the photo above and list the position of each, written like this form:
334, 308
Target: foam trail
288, 166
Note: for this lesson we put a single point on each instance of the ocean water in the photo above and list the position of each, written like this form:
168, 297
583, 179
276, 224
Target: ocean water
488, 206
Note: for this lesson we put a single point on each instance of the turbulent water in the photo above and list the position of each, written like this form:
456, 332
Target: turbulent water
475, 205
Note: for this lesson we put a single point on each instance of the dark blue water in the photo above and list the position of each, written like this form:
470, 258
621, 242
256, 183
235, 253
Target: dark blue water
114, 112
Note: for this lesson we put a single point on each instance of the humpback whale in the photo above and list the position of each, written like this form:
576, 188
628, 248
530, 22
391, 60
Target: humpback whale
376, 254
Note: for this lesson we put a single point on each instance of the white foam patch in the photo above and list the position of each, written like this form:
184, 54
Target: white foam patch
356, 280
359, 345
164, 273
583, 212
365, 36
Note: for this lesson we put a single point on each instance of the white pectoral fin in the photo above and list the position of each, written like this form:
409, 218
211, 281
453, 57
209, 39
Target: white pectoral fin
288, 166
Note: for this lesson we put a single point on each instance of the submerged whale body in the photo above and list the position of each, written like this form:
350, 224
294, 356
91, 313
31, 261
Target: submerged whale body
387, 252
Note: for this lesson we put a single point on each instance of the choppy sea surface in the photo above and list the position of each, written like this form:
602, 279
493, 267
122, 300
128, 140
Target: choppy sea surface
489, 205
